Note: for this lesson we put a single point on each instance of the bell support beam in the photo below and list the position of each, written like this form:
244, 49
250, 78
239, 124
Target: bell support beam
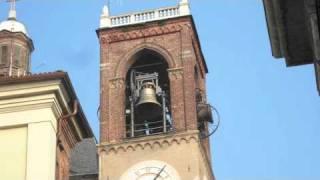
132, 116
163, 95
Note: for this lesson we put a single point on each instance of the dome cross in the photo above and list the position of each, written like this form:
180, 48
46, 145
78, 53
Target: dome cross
12, 11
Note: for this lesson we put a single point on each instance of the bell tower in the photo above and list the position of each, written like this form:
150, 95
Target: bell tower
15, 46
154, 115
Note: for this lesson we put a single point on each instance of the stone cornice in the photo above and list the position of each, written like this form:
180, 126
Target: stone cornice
31, 96
30, 103
34, 96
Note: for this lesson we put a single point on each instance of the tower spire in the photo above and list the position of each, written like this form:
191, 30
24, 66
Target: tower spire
105, 16
12, 11
184, 7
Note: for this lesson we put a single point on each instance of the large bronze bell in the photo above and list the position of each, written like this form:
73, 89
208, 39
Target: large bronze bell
204, 112
148, 108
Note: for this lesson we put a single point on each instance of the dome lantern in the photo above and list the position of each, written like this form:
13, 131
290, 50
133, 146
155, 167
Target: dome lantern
15, 46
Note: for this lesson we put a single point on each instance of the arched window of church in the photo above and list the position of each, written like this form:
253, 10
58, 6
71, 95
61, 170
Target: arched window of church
148, 108
4, 55
17, 56
27, 62
0, 56
24, 58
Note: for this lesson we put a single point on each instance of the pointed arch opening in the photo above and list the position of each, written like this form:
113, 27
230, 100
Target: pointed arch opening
148, 110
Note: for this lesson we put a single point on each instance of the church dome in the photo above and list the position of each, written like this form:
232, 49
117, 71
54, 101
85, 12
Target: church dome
15, 51
13, 25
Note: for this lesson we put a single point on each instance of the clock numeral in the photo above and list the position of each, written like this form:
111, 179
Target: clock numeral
148, 170
138, 173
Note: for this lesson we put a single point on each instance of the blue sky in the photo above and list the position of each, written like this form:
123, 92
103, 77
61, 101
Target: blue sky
270, 114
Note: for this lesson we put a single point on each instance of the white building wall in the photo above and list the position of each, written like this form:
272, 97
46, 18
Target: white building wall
13, 153
41, 151
28, 127
30, 152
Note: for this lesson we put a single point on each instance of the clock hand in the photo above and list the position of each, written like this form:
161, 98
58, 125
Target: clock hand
158, 175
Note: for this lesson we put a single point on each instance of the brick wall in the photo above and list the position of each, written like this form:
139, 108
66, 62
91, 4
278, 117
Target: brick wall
175, 40
11, 40
67, 139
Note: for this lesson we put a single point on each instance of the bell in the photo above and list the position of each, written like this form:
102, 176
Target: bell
204, 112
148, 108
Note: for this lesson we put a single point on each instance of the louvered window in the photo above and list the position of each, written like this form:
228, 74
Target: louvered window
17, 56
4, 55
0, 56
23, 58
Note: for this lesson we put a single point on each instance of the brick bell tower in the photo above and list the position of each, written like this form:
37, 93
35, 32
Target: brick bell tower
153, 111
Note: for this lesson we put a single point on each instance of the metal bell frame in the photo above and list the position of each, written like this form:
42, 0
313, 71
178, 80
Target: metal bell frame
137, 82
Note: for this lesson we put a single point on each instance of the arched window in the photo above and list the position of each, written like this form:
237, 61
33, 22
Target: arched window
25, 59
4, 55
148, 110
17, 61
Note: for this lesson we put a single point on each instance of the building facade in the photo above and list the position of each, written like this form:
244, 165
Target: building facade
41, 119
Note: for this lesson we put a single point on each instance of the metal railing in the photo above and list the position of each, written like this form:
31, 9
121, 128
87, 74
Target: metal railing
148, 129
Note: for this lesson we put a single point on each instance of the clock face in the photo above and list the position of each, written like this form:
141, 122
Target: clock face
151, 170
150, 173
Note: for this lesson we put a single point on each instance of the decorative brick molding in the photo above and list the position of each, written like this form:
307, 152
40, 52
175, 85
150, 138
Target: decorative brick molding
151, 142
127, 60
144, 33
